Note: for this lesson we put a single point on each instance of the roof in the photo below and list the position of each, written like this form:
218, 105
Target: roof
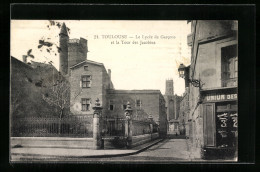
134, 91
63, 29
87, 61
17, 61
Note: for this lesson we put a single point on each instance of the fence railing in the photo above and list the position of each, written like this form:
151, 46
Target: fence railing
113, 127
73, 126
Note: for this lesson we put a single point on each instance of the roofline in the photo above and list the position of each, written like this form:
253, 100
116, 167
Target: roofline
87, 61
25, 64
135, 91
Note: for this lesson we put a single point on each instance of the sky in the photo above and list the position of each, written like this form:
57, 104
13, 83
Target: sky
133, 65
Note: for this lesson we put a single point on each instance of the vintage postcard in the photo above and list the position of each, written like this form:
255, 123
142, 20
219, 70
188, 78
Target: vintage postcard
124, 91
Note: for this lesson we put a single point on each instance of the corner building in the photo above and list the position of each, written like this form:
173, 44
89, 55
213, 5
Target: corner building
212, 113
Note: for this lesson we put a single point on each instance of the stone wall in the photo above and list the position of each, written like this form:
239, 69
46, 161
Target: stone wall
29, 82
51, 142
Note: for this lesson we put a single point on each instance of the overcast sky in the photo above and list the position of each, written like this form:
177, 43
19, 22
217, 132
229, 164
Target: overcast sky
133, 66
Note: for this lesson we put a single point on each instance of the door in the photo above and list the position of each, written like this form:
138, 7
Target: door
209, 125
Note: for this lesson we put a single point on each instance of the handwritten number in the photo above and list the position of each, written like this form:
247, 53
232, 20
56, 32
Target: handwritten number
223, 124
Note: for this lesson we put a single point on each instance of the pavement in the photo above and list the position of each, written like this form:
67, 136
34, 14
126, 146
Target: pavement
45, 153
170, 150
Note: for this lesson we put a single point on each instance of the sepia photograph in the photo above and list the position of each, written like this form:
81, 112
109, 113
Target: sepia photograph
124, 91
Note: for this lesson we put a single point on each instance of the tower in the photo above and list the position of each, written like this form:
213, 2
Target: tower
169, 87
169, 99
63, 40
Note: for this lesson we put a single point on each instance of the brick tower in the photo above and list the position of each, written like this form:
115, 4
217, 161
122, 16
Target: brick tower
169, 87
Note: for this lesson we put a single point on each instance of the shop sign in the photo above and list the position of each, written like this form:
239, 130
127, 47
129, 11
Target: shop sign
220, 97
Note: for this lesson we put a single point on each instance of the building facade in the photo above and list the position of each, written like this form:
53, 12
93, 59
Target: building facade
144, 103
212, 113
90, 80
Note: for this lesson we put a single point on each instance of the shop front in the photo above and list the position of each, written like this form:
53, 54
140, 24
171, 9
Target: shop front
220, 122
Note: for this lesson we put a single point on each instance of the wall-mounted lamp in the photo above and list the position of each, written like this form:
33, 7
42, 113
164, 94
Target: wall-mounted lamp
184, 73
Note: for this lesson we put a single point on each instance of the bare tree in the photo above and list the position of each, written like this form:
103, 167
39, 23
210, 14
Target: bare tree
58, 95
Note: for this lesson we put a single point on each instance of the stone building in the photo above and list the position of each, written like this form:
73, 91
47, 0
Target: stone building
212, 94
184, 113
144, 103
90, 80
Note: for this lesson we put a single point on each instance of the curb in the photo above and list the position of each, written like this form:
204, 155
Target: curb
93, 156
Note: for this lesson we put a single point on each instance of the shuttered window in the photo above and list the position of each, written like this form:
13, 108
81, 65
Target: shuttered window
209, 124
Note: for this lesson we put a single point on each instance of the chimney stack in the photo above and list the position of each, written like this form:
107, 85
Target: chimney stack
24, 58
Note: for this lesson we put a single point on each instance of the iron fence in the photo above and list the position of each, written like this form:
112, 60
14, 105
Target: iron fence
113, 127
73, 126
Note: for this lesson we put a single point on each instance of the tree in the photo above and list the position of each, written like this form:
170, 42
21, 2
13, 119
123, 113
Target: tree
58, 95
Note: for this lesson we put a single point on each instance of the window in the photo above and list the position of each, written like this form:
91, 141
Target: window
86, 68
138, 103
229, 65
86, 81
111, 105
85, 104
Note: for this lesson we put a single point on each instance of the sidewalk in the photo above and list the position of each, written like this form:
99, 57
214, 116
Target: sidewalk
79, 153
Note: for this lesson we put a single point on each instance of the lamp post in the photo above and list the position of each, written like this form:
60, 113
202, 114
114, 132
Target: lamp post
96, 125
184, 73
128, 125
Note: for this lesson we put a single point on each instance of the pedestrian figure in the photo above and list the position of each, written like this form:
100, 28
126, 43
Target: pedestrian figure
176, 134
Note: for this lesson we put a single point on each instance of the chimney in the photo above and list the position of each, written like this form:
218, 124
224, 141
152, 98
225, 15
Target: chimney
24, 58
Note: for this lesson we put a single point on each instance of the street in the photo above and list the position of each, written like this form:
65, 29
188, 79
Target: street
170, 149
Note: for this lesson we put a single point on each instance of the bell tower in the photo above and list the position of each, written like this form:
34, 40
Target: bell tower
63, 51
169, 87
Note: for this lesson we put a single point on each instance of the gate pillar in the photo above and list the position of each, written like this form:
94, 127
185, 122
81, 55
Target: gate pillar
96, 125
128, 125
150, 117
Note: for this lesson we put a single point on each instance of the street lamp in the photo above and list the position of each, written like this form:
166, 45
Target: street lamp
181, 70
183, 73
